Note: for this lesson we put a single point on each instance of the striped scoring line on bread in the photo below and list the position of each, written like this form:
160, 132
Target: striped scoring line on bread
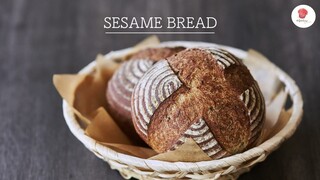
128, 75
223, 58
202, 135
159, 84
254, 102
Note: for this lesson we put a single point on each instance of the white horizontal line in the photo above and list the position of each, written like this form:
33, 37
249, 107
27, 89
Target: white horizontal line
160, 32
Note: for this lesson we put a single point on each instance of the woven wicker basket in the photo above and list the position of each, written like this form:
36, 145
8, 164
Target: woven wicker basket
226, 168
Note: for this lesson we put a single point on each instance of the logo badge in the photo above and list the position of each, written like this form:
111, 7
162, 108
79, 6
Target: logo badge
303, 16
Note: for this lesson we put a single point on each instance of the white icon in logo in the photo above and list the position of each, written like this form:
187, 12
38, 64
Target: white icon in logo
303, 16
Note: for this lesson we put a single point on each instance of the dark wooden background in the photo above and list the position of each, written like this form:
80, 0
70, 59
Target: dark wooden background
39, 38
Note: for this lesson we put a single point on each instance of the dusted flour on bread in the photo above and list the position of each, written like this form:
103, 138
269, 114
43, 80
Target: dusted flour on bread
121, 85
204, 94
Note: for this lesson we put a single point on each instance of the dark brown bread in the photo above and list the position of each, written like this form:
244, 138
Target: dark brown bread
204, 94
121, 85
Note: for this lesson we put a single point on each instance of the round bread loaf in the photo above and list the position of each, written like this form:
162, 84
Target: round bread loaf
208, 95
120, 86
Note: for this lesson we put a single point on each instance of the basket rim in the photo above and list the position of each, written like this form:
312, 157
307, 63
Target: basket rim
263, 149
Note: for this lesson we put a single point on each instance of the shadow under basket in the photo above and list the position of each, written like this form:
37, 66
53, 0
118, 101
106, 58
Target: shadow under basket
226, 168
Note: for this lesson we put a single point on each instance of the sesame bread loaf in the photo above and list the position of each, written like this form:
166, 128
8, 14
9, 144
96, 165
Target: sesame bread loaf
121, 84
205, 94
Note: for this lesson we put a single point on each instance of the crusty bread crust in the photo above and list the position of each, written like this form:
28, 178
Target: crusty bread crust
218, 104
120, 86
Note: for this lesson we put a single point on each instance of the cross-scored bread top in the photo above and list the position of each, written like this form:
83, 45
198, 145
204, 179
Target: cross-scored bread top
210, 87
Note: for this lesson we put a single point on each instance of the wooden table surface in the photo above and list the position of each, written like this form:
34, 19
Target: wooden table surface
39, 38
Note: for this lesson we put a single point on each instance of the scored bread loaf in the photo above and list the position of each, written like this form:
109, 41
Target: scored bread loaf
120, 86
205, 94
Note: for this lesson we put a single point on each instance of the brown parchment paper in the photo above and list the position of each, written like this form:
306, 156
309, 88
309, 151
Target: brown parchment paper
85, 94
